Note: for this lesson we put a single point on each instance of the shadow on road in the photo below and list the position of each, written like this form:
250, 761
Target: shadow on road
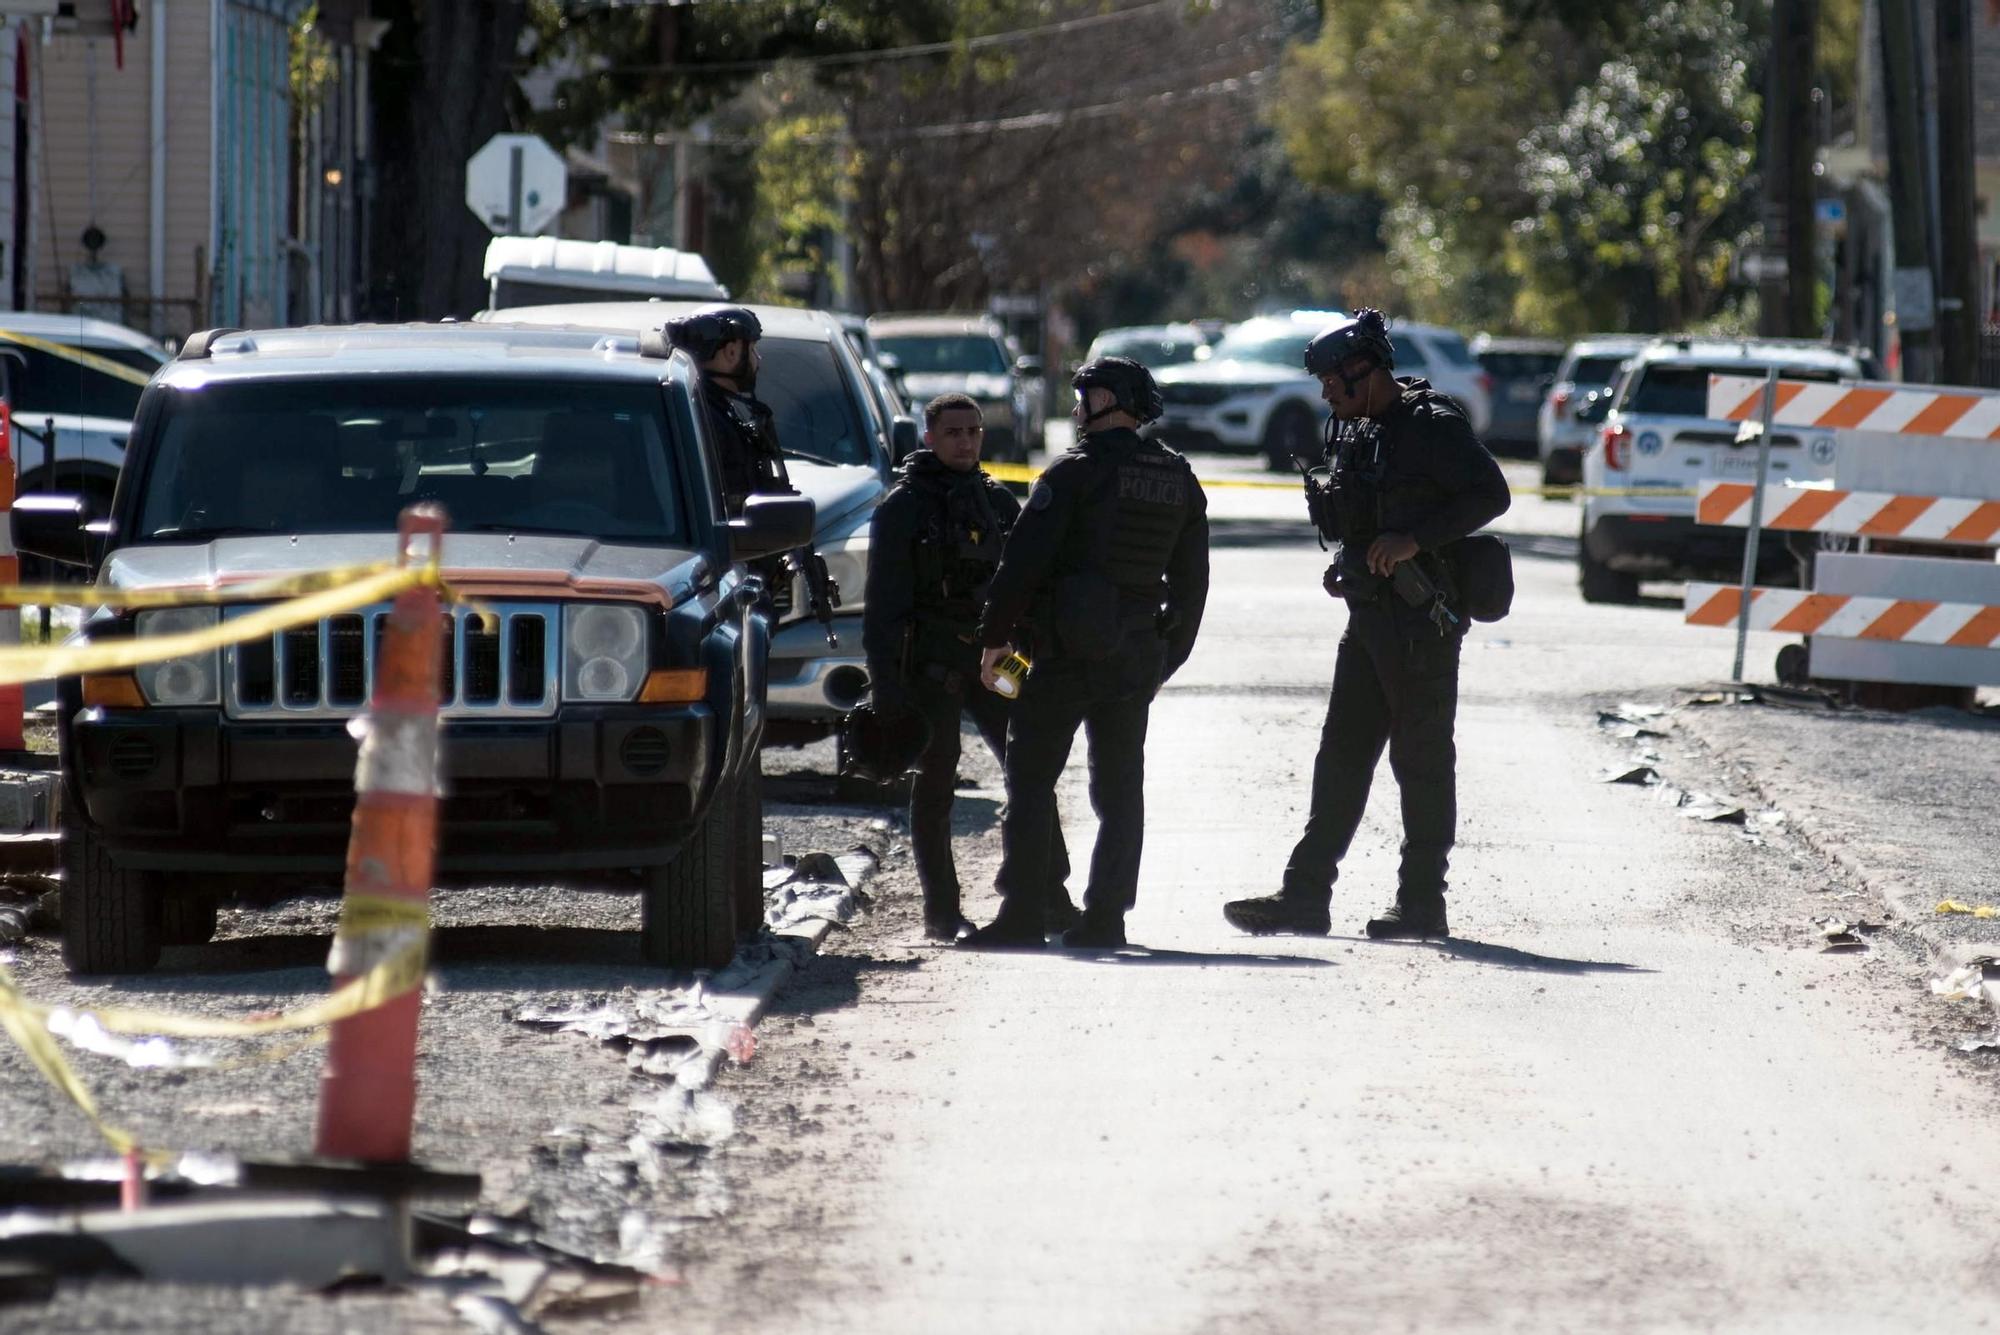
830, 981
1507, 957
1138, 954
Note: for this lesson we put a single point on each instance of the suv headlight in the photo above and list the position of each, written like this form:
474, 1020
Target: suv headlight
194, 680
604, 652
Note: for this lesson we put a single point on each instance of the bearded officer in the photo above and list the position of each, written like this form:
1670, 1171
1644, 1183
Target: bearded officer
1103, 582
723, 340
1409, 479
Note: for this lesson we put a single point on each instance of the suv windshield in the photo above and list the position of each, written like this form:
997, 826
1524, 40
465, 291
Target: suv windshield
1597, 370
812, 402
1287, 349
948, 354
324, 455
1682, 391
1151, 351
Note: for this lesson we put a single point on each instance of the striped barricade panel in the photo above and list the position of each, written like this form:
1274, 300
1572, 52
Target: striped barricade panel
1847, 616
1869, 514
1950, 412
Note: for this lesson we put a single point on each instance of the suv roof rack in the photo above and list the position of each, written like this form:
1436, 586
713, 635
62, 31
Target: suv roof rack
199, 345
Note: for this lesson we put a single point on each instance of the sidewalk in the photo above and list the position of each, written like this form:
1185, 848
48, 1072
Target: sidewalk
1905, 802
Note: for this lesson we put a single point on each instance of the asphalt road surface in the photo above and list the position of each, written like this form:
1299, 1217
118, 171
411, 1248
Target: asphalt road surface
1633, 1094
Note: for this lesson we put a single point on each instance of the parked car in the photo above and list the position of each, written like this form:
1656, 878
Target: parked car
838, 449
884, 372
85, 410
1251, 393
1155, 347
969, 354
1590, 364
1658, 434
1523, 369
603, 733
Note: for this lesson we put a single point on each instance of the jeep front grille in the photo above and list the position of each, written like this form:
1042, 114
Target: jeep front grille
328, 670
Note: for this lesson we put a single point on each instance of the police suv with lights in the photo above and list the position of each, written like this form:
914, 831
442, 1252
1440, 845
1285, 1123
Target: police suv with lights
1658, 445
600, 727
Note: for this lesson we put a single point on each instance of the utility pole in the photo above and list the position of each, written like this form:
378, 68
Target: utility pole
1908, 168
1787, 292
1958, 256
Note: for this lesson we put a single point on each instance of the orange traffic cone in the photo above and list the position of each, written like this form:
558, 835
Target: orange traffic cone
368, 1094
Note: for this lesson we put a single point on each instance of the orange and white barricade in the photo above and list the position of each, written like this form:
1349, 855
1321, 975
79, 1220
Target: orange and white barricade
1909, 464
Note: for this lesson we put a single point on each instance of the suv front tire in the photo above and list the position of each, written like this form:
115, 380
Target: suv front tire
111, 920
688, 914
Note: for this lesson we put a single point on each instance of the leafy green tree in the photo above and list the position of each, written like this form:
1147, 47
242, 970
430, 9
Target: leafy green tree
1641, 189
1424, 103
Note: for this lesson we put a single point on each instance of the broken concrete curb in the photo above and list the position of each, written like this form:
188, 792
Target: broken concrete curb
1911, 906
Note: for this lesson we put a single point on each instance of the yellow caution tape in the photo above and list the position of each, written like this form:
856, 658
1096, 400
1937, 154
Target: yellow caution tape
364, 914
25, 1025
262, 590
103, 365
1023, 473
1957, 906
34, 663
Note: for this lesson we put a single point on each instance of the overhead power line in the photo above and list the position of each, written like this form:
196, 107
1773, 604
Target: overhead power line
886, 53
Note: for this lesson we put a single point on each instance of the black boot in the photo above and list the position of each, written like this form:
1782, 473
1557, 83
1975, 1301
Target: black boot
1409, 920
1059, 914
1004, 933
1278, 915
1096, 933
945, 925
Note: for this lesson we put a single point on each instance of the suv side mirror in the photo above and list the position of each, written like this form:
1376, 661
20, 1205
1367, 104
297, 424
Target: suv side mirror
771, 524
905, 438
55, 526
1028, 366
1595, 405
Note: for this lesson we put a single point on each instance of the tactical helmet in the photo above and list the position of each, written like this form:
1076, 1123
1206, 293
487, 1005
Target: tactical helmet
1366, 333
702, 333
1131, 385
882, 748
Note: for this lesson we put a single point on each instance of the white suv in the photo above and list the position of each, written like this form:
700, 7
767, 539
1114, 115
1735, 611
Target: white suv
1251, 393
1658, 435
88, 408
1590, 364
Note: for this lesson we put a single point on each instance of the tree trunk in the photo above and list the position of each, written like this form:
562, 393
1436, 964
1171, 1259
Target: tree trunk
443, 82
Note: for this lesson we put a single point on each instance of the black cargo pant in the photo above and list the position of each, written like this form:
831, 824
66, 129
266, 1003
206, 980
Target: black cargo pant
1395, 683
1110, 699
942, 699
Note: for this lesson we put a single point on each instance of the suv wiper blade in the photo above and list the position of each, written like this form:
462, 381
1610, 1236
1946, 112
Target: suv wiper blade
217, 531
549, 530
814, 458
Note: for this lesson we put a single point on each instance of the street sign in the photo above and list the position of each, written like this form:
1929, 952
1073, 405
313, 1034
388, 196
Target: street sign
1758, 266
516, 184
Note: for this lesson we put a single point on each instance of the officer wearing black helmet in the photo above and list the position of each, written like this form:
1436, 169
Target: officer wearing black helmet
1102, 583
934, 543
1409, 479
723, 340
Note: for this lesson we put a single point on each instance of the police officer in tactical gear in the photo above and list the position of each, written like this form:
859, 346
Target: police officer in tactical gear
1408, 480
1102, 584
934, 544
723, 340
